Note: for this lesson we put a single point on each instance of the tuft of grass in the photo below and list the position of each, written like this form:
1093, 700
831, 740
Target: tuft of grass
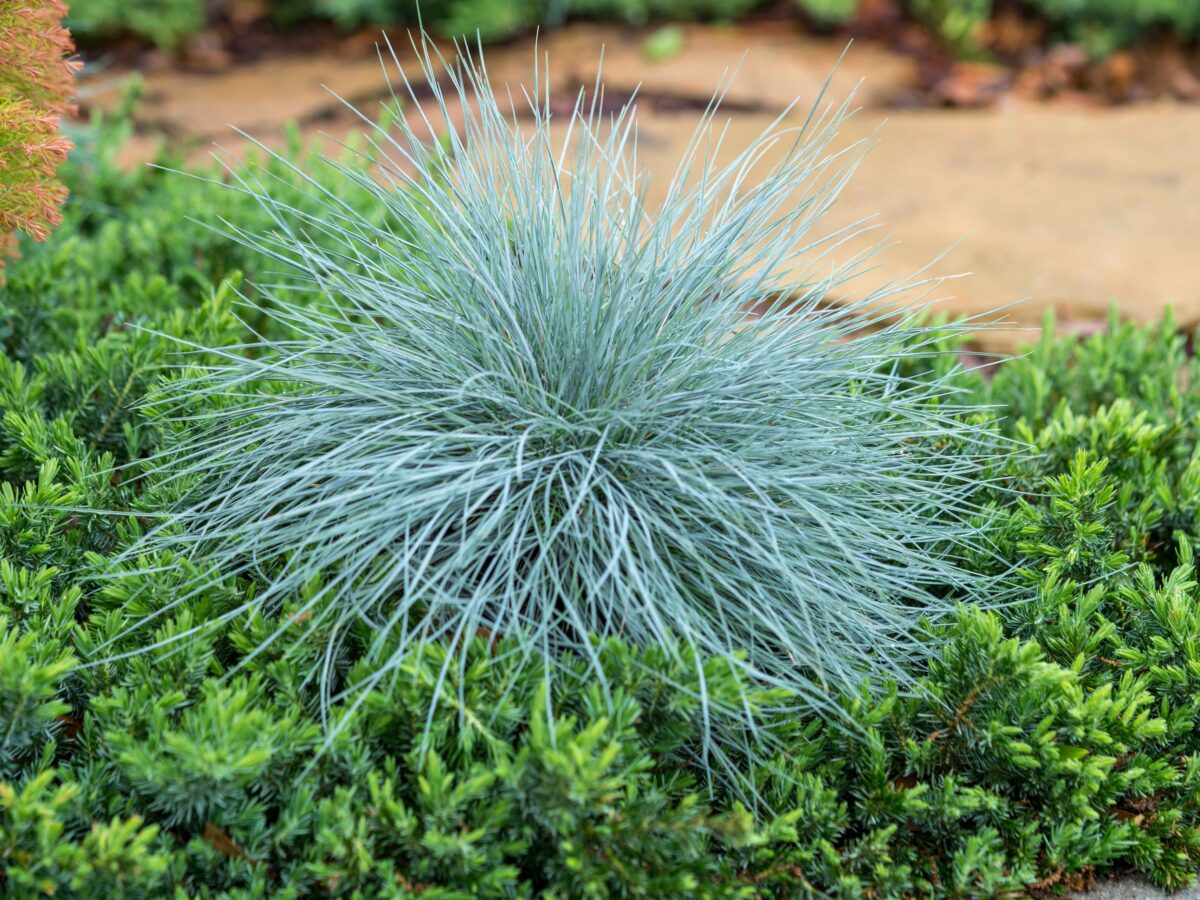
533, 408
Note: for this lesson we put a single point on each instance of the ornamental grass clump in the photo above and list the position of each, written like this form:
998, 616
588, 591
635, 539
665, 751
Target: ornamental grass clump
530, 407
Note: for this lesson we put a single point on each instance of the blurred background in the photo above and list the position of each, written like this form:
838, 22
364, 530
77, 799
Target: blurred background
1054, 145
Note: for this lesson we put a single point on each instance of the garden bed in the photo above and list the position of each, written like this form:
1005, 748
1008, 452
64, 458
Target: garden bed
455, 523
1049, 742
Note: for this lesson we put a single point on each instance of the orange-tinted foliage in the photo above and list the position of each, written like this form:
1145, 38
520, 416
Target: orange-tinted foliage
36, 87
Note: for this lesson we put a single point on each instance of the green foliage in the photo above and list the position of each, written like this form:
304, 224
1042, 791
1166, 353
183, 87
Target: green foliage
1051, 739
43, 853
664, 43
500, 19
167, 23
829, 12
956, 22
640, 11
1101, 26
189, 763
493, 20
31, 672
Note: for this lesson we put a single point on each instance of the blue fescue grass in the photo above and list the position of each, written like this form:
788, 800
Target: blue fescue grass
534, 407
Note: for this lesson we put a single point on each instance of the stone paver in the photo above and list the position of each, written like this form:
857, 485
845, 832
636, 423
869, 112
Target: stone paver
1059, 208
1135, 889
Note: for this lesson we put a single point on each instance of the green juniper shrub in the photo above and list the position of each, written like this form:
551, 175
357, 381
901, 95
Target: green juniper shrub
31, 670
1049, 740
47, 853
1126, 398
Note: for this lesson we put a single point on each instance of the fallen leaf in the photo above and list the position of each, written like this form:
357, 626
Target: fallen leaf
217, 838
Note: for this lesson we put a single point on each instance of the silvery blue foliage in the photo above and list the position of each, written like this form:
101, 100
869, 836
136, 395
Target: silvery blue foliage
530, 405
